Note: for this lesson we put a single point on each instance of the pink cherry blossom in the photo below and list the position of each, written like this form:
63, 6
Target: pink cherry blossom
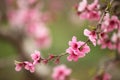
16, 18
110, 23
74, 54
92, 35
94, 15
93, 5
61, 72
29, 66
36, 57
90, 12
40, 33
114, 37
18, 66
106, 76
76, 49
82, 5
116, 40
105, 44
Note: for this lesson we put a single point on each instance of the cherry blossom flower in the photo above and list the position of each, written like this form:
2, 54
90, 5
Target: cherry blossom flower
110, 23
18, 66
116, 40
76, 49
89, 11
40, 33
106, 76
36, 57
94, 5
29, 66
92, 35
82, 6
61, 72
16, 18
106, 44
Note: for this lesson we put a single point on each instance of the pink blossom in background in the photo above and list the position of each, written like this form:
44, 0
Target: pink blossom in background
82, 6
89, 11
36, 57
106, 44
40, 33
110, 23
16, 18
31, 21
92, 35
75, 50
61, 72
114, 37
29, 66
106, 76
116, 40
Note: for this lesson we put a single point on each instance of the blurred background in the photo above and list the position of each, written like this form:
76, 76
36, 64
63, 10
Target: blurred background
17, 41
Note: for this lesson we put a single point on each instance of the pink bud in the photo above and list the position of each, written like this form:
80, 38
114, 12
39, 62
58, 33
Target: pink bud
57, 61
51, 56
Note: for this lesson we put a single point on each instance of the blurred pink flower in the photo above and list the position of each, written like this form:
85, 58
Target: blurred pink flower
116, 40
92, 35
16, 18
90, 12
110, 23
61, 72
106, 76
40, 33
106, 43
76, 49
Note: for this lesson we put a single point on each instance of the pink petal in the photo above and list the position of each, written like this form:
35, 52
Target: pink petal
82, 5
86, 32
18, 68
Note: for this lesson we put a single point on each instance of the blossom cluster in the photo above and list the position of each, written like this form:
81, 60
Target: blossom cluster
36, 57
107, 35
61, 72
77, 49
110, 33
89, 11
29, 17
